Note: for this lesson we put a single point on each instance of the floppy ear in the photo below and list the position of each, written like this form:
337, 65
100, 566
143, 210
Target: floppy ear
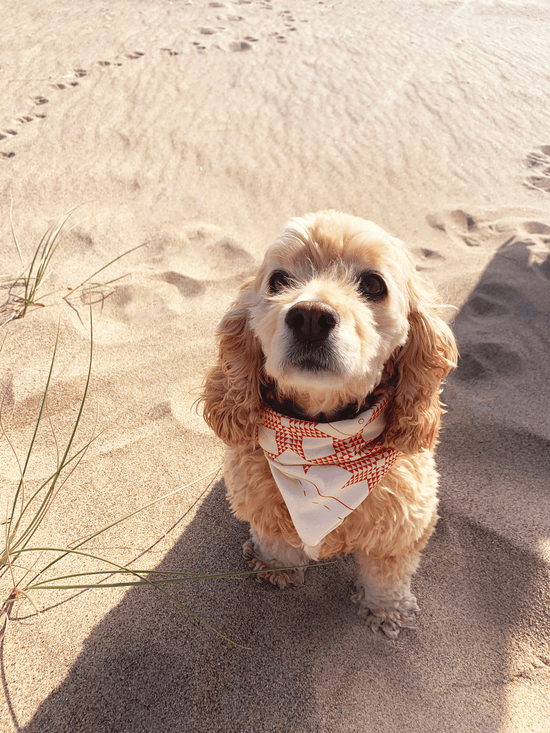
417, 368
231, 392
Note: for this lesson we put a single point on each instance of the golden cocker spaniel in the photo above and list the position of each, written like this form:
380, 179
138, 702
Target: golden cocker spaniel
326, 392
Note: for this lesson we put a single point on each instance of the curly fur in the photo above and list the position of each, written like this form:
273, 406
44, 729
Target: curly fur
399, 344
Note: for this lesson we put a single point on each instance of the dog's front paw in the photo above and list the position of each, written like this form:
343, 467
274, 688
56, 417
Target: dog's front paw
400, 615
280, 578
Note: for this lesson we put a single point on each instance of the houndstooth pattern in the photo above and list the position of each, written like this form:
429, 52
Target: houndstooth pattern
372, 468
300, 454
290, 434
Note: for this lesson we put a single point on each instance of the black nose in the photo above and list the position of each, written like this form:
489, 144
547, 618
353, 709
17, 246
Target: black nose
311, 321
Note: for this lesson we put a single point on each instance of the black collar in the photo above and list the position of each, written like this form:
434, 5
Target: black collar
289, 408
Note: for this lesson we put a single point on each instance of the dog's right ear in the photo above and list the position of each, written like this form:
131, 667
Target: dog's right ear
231, 393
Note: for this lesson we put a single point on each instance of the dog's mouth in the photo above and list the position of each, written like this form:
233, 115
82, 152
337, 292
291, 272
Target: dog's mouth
315, 358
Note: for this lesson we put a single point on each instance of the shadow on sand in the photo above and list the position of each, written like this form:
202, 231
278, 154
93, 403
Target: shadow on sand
309, 664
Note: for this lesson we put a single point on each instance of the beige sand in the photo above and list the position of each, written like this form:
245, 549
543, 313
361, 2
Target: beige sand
199, 128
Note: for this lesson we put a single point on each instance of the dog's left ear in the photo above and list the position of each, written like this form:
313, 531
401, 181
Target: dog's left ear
417, 368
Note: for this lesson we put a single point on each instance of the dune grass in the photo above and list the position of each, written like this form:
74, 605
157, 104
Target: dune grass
26, 290
20, 559
23, 570
27, 568
36, 273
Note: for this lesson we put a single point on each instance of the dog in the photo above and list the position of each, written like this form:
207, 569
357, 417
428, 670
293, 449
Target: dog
336, 330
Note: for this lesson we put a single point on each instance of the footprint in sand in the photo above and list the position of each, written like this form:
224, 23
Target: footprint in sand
161, 411
490, 309
479, 361
279, 37
237, 46
6, 135
485, 229
470, 229
539, 163
536, 227
538, 241
39, 100
240, 46
226, 254
431, 254
188, 286
494, 298
244, 43
512, 291
486, 303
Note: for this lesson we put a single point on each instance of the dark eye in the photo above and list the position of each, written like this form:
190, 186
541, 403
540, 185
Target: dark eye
278, 281
372, 286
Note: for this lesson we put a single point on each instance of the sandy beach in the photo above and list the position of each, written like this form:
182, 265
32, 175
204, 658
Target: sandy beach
190, 132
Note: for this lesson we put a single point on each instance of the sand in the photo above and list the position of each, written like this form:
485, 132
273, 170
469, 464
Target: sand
198, 128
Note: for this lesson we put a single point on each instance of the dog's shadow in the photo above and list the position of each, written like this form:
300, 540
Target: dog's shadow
304, 660
150, 666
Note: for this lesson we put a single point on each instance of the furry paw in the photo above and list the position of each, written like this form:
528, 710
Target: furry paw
390, 620
280, 578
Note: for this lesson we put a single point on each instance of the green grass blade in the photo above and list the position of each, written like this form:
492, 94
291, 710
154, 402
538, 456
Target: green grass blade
94, 286
128, 516
39, 513
137, 575
175, 577
14, 234
11, 529
41, 259
73, 290
30, 600
32, 281
146, 506
51, 242
64, 460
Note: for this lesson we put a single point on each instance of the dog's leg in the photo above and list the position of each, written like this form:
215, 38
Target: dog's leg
267, 553
384, 592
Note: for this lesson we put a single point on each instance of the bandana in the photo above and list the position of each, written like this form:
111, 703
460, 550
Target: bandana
325, 470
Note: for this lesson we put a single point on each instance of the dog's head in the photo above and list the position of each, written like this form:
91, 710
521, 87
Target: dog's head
336, 312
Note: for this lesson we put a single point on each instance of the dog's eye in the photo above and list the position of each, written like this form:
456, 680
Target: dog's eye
278, 281
372, 286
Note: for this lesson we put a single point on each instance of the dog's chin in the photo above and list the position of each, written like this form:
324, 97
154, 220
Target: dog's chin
308, 376
323, 378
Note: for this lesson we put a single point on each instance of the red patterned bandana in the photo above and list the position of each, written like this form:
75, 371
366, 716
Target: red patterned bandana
325, 470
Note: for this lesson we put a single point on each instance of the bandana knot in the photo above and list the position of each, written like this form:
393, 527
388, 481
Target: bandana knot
325, 470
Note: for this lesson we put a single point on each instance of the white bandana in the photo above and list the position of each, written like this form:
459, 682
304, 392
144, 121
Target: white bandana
324, 470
